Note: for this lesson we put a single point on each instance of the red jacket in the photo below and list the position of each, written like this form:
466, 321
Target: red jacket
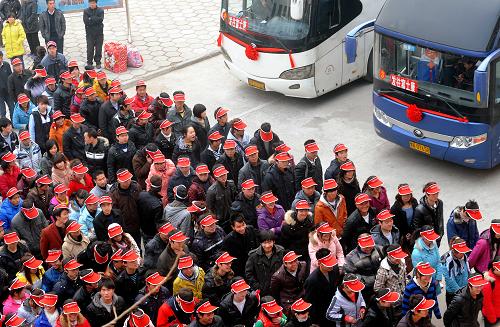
75, 185
491, 302
167, 317
50, 240
9, 180
139, 105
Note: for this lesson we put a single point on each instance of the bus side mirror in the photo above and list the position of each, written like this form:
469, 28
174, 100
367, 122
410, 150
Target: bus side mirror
297, 9
480, 86
351, 40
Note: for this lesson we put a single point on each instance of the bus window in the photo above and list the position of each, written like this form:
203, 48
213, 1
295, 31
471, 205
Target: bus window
328, 15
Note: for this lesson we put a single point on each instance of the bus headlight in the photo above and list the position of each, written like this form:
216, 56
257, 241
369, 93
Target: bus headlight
464, 142
381, 117
298, 73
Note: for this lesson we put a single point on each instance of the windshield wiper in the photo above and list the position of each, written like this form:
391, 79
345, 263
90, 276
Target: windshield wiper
443, 99
387, 91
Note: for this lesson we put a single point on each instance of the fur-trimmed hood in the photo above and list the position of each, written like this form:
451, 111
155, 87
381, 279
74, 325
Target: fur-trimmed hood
291, 217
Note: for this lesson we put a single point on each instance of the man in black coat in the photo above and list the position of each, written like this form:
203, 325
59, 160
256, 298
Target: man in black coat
380, 310
150, 206
108, 110
9, 140
154, 248
220, 196
90, 107
240, 242
74, 140
213, 152
321, 285
222, 125
340, 151
231, 314
96, 150
83, 296
17, 80
120, 154
247, 202
159, 295
430, 210
53, 25
255, 168
231, 159
281, 181
309, 166
5, 99
98, 314
141, 132
359, 222
69, 281
93, 17
130, 281
266, 141
207, 242
165, 140
63, 94
29, 17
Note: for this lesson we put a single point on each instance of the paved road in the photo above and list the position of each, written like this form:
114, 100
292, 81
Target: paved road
345, 116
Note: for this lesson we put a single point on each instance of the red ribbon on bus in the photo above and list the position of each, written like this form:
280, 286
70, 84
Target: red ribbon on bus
252, 52
415, 114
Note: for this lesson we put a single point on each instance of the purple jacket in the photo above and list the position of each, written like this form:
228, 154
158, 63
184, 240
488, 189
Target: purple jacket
382, 202
268, 221
481, 256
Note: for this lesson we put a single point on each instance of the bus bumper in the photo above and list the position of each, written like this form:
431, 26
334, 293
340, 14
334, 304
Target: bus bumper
293, 88
477, 157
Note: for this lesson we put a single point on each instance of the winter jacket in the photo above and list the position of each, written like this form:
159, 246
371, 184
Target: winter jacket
380, 203
312, 200
208, 247
43, 321
8, 211
318, 290
201, 130
60, 22
149, 205
423, 253
424, 215
177, 179
48, 93
127, 286
176, 213
106, 114
482, 254
491, 300
335, 216
120, 156
259, 268
282, 184
224, 130
247, 207
83, 298
96, 155
463, 310
265, 153
305, 169
74, 143
167, 259
376, 317
287, 288
412, 288
42, 202
271, 220
165, 144
219, 200
56, 133
334, 246
152, 304
101, 223
30, 230
141, 135
29, 156
8, 180
20, 117
126, 202
50, 239
178, 120
238, 246
406, 322
141, 166
295, 234
121, 118
455, 272
29, 16
165, 175
75, 185
13, 37
39, 127
27, 312
364, 265
171, 315
159, 112
216, 286
11, 305
210, 157
247, 172
152, 251
467, 231
98, 315
93, 18
14, 142
71, 247
55, 66
90, 111
349, 191
232, 316
342, 306
333, 170
65, 288
198, 189
233, 165
139, 104
50, 278
11, 262
16, 82
355, 226
381, 240
400, 220
387, 278
9, 6
194, 283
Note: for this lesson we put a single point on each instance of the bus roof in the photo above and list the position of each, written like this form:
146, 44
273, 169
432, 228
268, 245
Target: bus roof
463, 24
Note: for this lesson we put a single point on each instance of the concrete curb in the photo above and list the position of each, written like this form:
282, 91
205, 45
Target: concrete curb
166, 70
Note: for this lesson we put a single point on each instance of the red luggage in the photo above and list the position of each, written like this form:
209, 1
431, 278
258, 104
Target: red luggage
115, 57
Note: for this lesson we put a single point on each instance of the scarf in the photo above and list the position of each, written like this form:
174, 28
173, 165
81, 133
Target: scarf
52, 318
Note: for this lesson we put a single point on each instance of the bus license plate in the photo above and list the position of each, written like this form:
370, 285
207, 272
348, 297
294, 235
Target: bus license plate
420, 148
256, 84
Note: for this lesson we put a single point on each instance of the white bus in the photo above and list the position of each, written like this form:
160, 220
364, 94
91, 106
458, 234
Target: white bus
300, 48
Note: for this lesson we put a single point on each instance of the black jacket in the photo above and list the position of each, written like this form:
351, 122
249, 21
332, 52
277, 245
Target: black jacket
305, 169
128, 286
248, 172
11, 262
16, 82
60, 22
14, 143
259, 268
463, 310
295, 234
153, 303
151, 210
65, 288
101, 223
99, 316
90, 111
400, 220
425, 215
119, 158
5, 72
247, 207
355, 226
239, 246
349, 191
87, 257
208, 247
29, 16
83, 298
166, 145
62, 99
233, 166
42, 130
106, 114
375, 317
293, 322
319, 291
9, 6
96, 155
232, 316
201, 131
152, 251
74, 143
217, 322
263, 154
181, 150
219, 200
216, 287
126, 202
207, 157
282, 184
332, 172
177, 179
141, 135
93, 18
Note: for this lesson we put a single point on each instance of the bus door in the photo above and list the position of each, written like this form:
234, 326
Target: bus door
495, 104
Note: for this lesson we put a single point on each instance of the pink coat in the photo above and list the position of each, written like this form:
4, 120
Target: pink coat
11, 306
334, 246
165, 178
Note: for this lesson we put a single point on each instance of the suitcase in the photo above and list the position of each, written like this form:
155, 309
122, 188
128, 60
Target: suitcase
115, 57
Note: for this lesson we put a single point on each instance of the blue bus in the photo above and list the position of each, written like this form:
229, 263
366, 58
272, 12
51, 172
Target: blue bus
436, 85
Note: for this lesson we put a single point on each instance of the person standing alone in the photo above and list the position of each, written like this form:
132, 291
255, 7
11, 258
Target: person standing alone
29, 17
93, 17
53, 25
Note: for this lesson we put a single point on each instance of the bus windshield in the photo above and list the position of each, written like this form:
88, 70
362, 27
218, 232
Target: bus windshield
267, 17
426, 71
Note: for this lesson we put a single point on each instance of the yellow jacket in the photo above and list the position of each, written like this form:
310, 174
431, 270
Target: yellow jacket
13, 37
101, 94
34, 277
196, 285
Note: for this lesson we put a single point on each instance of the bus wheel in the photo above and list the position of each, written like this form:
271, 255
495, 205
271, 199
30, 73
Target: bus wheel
369, 69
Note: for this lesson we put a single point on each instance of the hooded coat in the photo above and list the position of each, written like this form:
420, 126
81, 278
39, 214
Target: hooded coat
335, 216
423, 253
334, 246
13, 36
71, 247
295, 233
176, 213
8, 211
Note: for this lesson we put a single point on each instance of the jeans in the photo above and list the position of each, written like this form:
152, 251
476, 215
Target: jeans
5, 99
94, 49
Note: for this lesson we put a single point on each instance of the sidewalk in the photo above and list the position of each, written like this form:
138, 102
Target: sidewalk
167, 33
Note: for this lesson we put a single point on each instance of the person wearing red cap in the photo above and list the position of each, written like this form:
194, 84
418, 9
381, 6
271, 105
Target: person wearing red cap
222, 126
10, 174
201, 182
358, 222
73, 139
208, 241
28, 153
50, 313
80, 178
426, 250
159, 108
403, 210
154, 248
309, 166
165, 139
381, 310
64, 93
50, 88
271, 215
78, 96
201, 124
106, 305
28, 224
255, 168
75, 241
348, 185
238, 134
271, 313
52, 236
31, 307
486, 248
491, 293
109, 107
455, 267
163, 168
430, 210
392, 273
121, 155
102, 85
11, 253
150, 205
28, 176
378, 194
17, 295
348, 307
266, 141
10, 207
325, 237
280, 179
89, 108
130, 280
59, 126
295, 230
190, 276
231, 159
69, 282
333, 170
141, 100
141, 131
462, 223
247, 202
71, 315
32, 271
90, 284
385, 232
177, 310
176, 246
240, 306
182, 114
213, 151
160, 294
221, 195
218, 279
422, 283
205, 315
418, 315
307, 193
52, 275
331, 207
22, 111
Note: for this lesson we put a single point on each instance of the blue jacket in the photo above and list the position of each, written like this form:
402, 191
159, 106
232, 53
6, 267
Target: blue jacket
87, 221
8, 211
21, 118
74, 210
49, 279
42, 321
422, 253
412, 288
465, 230
455, 272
